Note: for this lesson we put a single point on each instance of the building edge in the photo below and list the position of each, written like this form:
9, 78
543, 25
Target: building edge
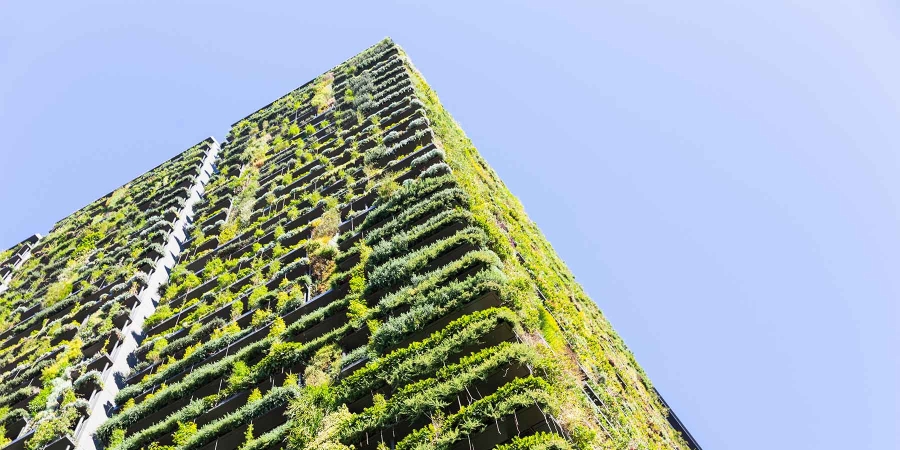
565, 311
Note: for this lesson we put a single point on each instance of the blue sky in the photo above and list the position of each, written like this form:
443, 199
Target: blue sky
722, 176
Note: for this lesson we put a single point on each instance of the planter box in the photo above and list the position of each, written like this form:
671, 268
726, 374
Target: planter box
107, 345
210, 244
153, 254
326, 325
527, 421
222, 215
354, 221
447, 257
131, 302
170, 216
87, 389
305, 218
19, 444
15, 428
121, 319
334, 187
64, 336
198, 264
363, 203
294, 273
304, 233
197, 292
346, 244
99, 364
262, 424
156, 416
348, 262
354, 340
316, 302
353, 367
165, 324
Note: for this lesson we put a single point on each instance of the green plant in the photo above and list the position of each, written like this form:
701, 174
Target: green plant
237, 308
403, 364
323, 97
395, 271
213, 268
256, 295
162, 313
57, 291
274, 398
277, 328
537, 441
260, 317
186, 430
516, 394
238, 373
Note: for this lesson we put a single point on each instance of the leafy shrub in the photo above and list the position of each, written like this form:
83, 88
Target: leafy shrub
428, 306
406, 196
274, 398
414, 400
57, 291
186, 430
397, 270
162, 313
92, 377
538, 441
402, 242
402, 365
516, 394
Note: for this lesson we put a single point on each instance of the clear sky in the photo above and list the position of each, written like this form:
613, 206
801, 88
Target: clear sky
723, 177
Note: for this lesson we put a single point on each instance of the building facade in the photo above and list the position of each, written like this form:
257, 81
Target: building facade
344, 271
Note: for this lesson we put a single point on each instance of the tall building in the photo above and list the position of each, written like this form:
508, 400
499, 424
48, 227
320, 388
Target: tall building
344, 272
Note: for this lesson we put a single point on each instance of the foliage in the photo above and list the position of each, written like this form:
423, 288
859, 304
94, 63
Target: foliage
518, 393
537, 441
403, 364
397, 270
161, 313
527, 256
276, 397
324, 95
186, 430
394, 129
57, 291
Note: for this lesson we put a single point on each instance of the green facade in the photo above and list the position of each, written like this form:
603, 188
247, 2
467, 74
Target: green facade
354, 276
66, 305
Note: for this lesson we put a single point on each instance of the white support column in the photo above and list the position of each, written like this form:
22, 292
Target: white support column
84, 435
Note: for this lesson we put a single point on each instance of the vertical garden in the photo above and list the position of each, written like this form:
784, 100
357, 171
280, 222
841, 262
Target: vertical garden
69, 296
354, 276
